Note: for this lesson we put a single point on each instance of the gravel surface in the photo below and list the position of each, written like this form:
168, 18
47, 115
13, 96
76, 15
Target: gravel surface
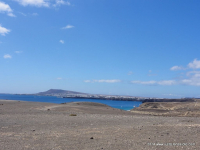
93, 126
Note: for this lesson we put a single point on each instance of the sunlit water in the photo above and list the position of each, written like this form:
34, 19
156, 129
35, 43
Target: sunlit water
125, 105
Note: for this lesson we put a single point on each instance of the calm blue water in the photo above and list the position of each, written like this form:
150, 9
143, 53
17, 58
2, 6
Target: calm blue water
125, 105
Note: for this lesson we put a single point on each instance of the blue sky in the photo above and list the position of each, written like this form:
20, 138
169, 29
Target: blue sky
133, 47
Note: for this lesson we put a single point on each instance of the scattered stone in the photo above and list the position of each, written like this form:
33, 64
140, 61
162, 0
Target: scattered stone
48, 109
73, 115
33, 130
91, 138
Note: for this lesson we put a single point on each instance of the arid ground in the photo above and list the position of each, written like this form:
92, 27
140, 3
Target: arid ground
93, 126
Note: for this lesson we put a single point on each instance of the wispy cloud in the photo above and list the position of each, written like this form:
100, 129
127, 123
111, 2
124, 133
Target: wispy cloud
152, 82
59, 78
23, 14
18, 52
61, 2
5, 8
43, 3
103, 81
61, 41
7, 56
28, 14
195, 64
177, 68
37, 3
68, 27
191, 78
3, 31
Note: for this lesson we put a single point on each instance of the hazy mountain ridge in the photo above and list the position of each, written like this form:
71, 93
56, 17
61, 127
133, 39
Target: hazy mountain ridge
73, 94
57, 92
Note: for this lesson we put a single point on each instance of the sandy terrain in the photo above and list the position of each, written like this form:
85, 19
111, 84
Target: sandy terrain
46, 126
184, 109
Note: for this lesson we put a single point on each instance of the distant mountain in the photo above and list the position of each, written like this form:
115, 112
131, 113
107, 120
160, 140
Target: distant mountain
57, 92
73, 94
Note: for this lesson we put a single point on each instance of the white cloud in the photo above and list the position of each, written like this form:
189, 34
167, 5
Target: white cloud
193, 78
195, 64
18, 52
7, 56
144, 82
152, 82
37, 3
22, 13
3, 31
28, 14
176, 68
5, 8
59, 78
166, 82
11, 15
61, 41
103, 81
68, 27
61, 2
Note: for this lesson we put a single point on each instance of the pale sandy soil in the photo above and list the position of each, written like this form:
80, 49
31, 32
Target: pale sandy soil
182, 109
45, 126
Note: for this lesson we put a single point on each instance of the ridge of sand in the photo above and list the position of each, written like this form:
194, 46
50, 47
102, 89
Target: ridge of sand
187, 109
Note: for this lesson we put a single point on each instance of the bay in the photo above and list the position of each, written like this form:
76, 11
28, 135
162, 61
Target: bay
124, 105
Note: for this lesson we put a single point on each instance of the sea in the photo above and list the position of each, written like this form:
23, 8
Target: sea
124, 105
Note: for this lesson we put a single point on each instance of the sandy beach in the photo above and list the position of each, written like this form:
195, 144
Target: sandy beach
91, 126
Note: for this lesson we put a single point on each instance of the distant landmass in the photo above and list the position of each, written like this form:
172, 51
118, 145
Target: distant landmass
73, 94
57, 92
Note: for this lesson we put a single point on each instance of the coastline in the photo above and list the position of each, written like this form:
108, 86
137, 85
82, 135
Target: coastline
125, 105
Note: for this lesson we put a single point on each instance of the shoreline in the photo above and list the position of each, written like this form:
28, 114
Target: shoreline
124, 105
